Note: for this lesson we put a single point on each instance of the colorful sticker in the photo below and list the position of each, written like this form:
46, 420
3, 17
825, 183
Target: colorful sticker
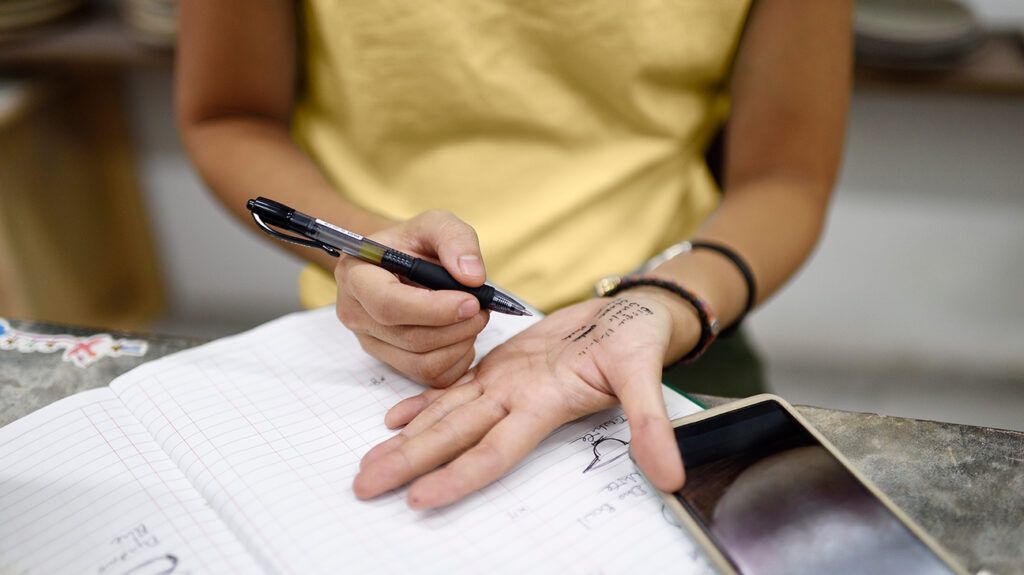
81, 351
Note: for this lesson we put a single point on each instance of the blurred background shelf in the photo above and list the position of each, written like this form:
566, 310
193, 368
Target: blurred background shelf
68, 161
96, 35
996, 67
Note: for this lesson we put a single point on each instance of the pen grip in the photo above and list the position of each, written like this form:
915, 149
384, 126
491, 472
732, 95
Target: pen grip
433, 276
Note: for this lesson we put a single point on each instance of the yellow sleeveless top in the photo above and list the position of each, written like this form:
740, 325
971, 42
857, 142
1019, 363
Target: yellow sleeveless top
570, 135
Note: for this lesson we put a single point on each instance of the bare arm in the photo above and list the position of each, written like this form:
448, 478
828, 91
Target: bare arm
790, 92
236, 88
236, 73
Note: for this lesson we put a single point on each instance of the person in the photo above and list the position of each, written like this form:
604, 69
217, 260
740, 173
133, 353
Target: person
569, 138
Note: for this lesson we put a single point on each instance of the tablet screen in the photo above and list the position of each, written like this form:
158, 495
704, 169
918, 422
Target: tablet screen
773, 500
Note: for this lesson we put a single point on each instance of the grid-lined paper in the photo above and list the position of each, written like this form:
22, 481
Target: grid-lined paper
85, 489
270, 425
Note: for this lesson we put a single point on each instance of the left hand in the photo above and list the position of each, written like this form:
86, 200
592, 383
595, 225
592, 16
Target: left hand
577, 361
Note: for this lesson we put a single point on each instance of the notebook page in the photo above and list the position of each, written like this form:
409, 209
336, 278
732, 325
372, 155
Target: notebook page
270, 426
84, 489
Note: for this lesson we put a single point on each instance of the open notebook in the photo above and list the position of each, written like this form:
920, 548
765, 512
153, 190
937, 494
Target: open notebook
238, 456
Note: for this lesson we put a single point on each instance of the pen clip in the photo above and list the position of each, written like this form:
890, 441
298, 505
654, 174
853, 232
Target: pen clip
293, 239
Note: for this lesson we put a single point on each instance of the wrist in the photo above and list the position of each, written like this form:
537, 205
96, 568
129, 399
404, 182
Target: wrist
685, 322
705, 316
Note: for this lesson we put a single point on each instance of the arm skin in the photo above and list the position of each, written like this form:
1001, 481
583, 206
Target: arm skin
235, 90
790, 93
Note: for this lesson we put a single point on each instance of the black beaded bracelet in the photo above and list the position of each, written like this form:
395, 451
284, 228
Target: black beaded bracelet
708, 321
744, 269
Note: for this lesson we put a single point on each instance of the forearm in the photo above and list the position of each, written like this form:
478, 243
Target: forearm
236, 80
241, 157
773, 224
790, 89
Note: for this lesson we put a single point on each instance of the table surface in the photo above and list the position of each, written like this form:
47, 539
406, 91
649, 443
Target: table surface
963, 484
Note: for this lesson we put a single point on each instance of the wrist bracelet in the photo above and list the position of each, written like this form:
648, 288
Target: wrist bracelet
744, 269
741, 265
708, 321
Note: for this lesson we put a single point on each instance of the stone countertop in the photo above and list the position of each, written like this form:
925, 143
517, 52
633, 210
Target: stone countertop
964, 485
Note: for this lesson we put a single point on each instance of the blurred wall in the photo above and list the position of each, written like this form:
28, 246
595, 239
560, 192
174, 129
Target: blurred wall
221, 277
923, 259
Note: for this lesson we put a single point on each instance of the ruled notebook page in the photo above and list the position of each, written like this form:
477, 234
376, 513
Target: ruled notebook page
85, 489
270, 426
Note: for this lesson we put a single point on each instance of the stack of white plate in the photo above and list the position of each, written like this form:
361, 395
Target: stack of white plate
914, 34
154, 22
19, 14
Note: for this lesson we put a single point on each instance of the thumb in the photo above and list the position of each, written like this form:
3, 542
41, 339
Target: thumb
653, 440
456, 244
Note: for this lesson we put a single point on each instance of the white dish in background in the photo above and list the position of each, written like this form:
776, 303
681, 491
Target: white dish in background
914, 34
27, 13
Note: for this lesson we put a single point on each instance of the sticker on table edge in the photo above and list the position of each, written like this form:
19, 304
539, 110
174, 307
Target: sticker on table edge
82, 351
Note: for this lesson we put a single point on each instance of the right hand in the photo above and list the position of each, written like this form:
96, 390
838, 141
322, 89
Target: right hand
426, 335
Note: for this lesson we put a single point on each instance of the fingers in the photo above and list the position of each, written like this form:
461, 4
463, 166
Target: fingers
390, 302
441, 407
653, 441
409, 408
438, 368
427, 335
421, 339
434, 356
502, 448
404, 411
434, 446
454, 241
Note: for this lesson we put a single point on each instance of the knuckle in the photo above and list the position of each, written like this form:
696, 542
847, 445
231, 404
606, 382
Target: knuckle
438, 215
489, 459
346, 271
401, 461
451, 433
341, 271
478, 323
381, 312
359, 280
436, 411
347, 314
443, 381
494, 405
472, 390
463, 347
419, 340
366, 343
432, 370
440, 374
452, 226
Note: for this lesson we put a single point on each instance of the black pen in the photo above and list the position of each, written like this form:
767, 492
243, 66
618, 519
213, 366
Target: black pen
335, 240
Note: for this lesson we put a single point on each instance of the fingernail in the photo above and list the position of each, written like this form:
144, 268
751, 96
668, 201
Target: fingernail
468, 309
471, 265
